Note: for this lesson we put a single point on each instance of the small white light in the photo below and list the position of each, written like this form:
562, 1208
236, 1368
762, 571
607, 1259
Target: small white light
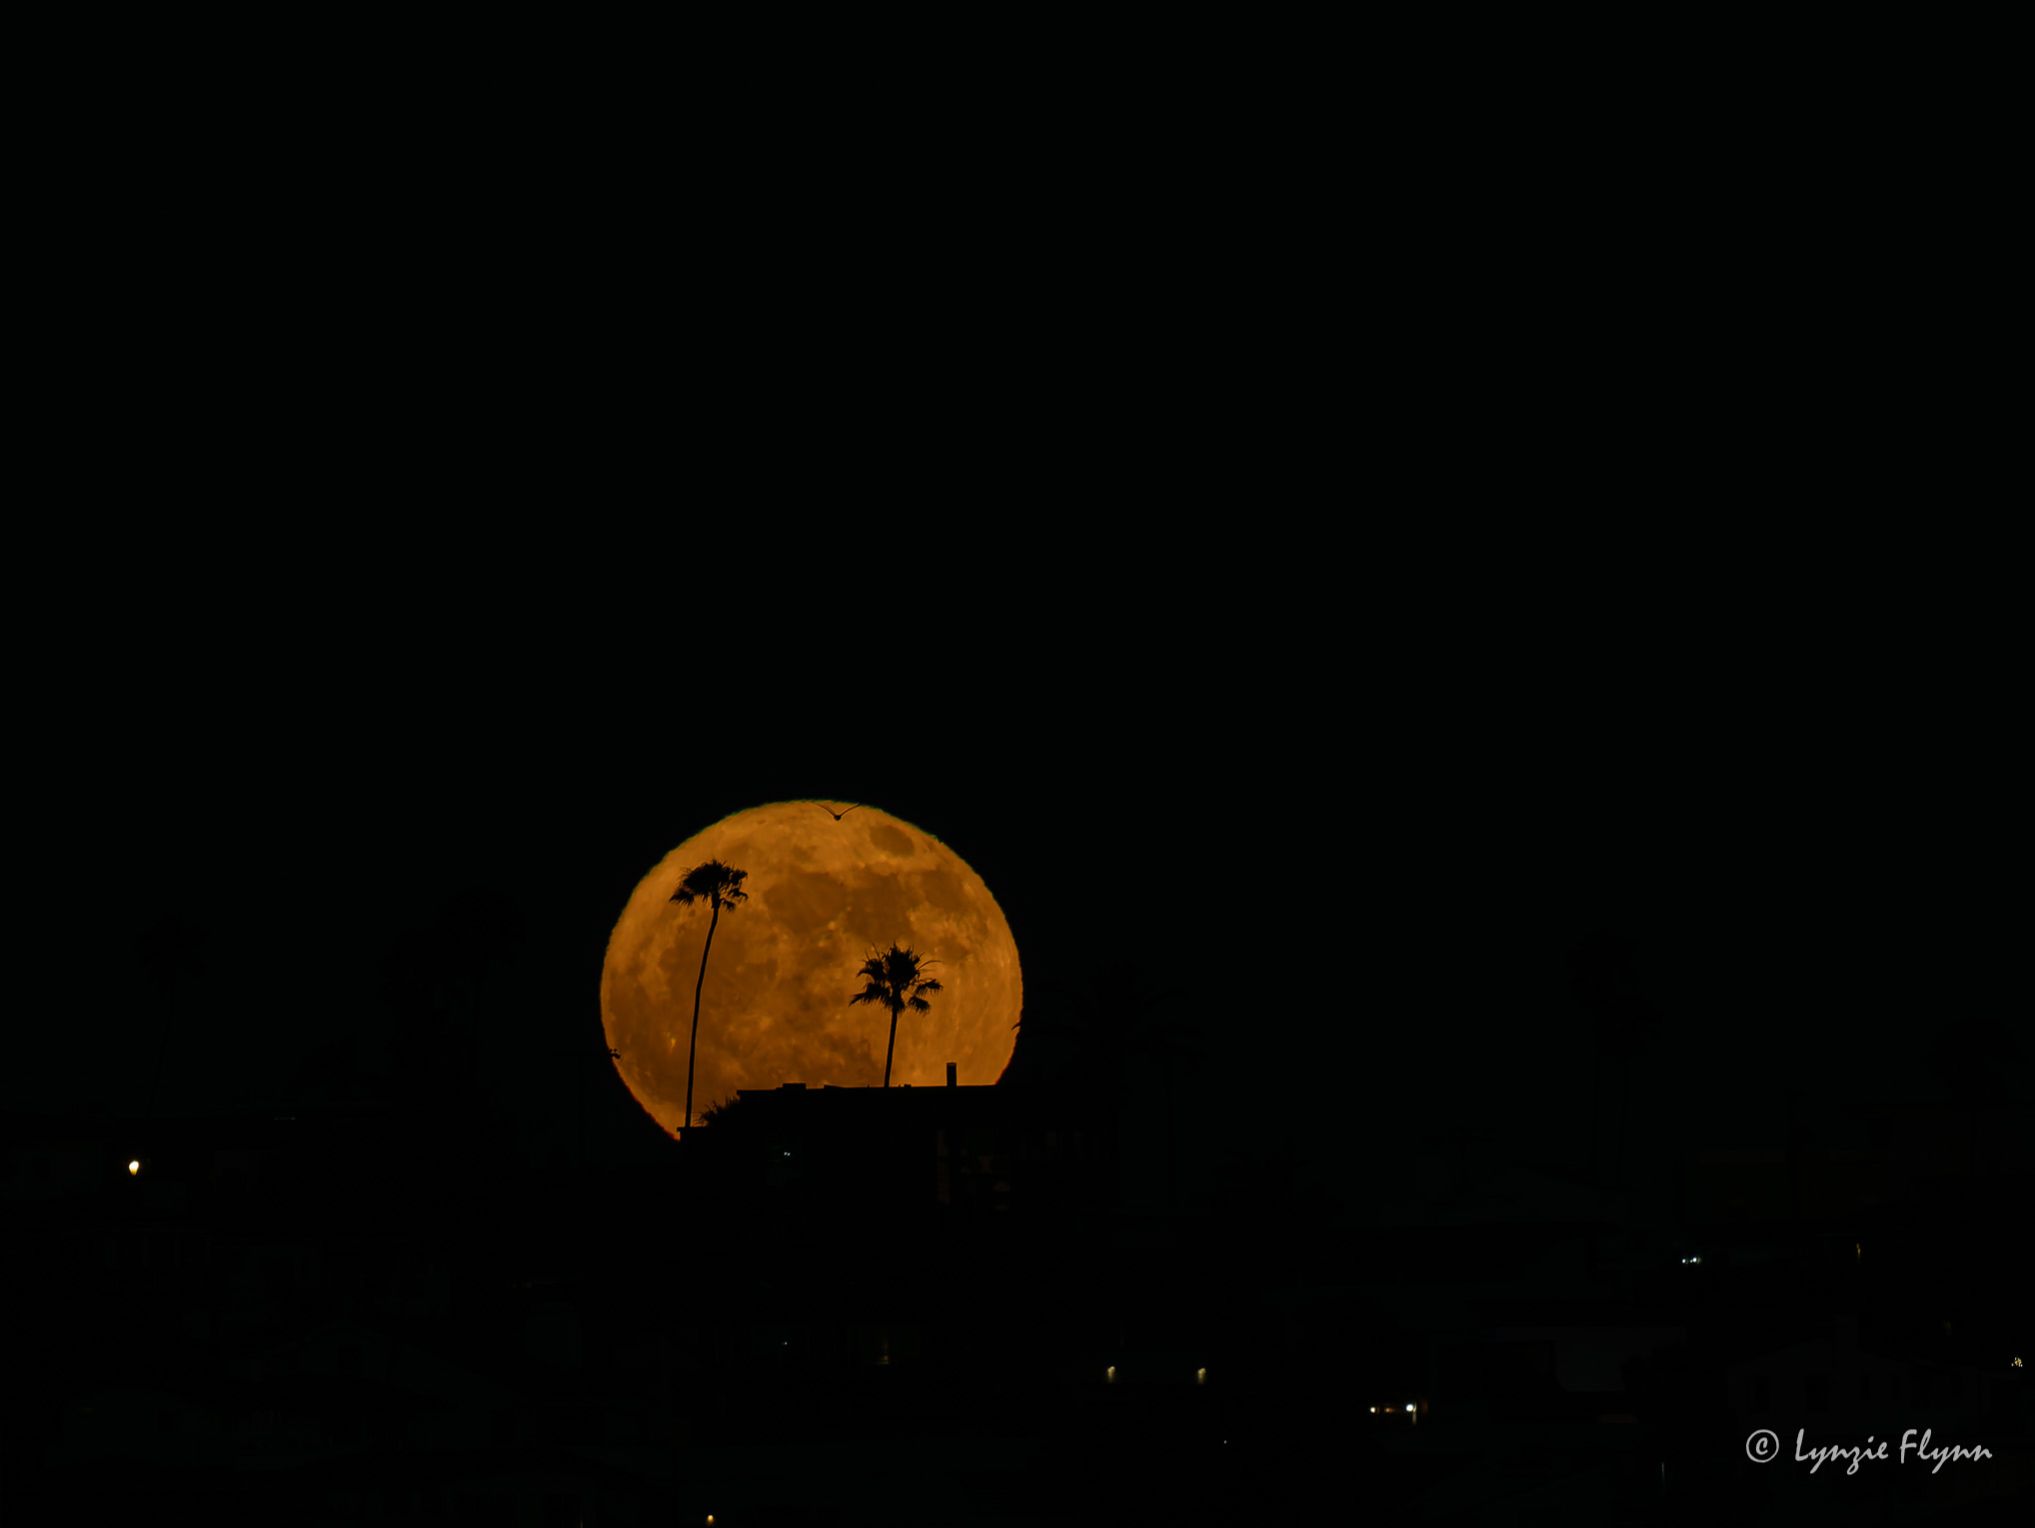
787, 1154
2018, 1364
1374, 1411
134, 1168
1413, 1405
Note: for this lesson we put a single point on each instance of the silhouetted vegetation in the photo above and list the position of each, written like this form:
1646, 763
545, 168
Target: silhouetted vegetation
721, 1109
896, 980
720, 886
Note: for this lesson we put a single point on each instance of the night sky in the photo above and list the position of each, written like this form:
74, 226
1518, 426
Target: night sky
1356, 847
1464, 644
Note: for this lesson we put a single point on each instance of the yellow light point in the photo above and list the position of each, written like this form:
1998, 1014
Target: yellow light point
1109, 1375
1200, 1376
133, 1169
2017, 1363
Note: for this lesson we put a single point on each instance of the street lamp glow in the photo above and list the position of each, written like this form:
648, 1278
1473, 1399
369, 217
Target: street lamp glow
134, 1168
1109, 1375
1201, 1376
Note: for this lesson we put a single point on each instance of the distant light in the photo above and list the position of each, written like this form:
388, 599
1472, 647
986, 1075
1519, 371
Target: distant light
1389, 1410
1200, 1376
787, 1153
2017, 1363
1374, 1411
1858, 1251
710, 1520
133, 1169
1413, 1405
1109, 1375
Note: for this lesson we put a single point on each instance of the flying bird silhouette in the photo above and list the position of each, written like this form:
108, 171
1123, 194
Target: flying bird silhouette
837, 816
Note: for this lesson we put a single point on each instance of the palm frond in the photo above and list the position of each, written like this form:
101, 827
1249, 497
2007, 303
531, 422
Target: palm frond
895, 978
711, 882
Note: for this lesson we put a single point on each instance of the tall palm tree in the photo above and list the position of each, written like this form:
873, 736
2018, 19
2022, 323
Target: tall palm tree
721, 886
897, 980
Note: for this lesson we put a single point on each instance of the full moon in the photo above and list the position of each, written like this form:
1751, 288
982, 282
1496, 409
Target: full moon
823, 895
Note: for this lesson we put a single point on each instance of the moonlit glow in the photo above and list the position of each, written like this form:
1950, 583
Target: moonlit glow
824, 893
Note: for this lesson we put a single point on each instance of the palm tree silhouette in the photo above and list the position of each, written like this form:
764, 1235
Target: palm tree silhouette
897, 980
721, 886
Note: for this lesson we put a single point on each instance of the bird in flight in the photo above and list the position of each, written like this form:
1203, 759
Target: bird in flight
837, 816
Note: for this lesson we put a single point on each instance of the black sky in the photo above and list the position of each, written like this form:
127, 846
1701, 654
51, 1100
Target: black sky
1358, 843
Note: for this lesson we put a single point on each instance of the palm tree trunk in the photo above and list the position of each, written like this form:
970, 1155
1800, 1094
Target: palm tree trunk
890, 1047
693, 1044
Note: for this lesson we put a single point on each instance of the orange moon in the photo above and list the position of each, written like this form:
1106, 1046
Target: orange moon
823, 896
